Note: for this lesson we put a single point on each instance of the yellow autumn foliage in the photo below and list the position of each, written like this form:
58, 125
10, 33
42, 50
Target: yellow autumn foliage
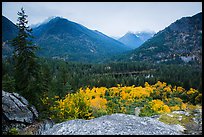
98, 103
191, 91
183, 106
159, 106
121, 99
180, 89
174, 108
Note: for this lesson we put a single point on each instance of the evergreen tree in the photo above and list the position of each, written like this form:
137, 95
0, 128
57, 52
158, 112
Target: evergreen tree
26, 67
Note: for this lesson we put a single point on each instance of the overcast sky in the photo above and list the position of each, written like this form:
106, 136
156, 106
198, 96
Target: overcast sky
110, 18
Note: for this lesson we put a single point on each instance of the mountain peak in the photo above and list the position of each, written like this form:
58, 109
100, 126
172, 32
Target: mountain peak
134, 40
51, 18
130, 33
55, 18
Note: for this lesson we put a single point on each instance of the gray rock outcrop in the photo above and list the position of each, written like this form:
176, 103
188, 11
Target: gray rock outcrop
115, 124
19, 114
17, 108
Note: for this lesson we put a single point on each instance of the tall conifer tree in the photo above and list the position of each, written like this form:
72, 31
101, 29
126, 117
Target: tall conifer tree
26, 67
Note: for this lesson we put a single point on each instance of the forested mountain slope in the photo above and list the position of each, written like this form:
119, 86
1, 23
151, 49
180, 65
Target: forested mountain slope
61, 38
9, 29
181, 42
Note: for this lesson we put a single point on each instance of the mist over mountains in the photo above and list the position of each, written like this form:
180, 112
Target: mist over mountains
59, 38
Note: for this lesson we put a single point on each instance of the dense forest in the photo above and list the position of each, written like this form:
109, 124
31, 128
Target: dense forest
70, 76
45, 82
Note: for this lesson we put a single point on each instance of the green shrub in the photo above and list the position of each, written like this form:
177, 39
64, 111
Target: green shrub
147, 111
13, 131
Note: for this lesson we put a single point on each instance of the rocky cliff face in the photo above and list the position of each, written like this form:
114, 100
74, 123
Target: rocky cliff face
19, 114
115, 124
